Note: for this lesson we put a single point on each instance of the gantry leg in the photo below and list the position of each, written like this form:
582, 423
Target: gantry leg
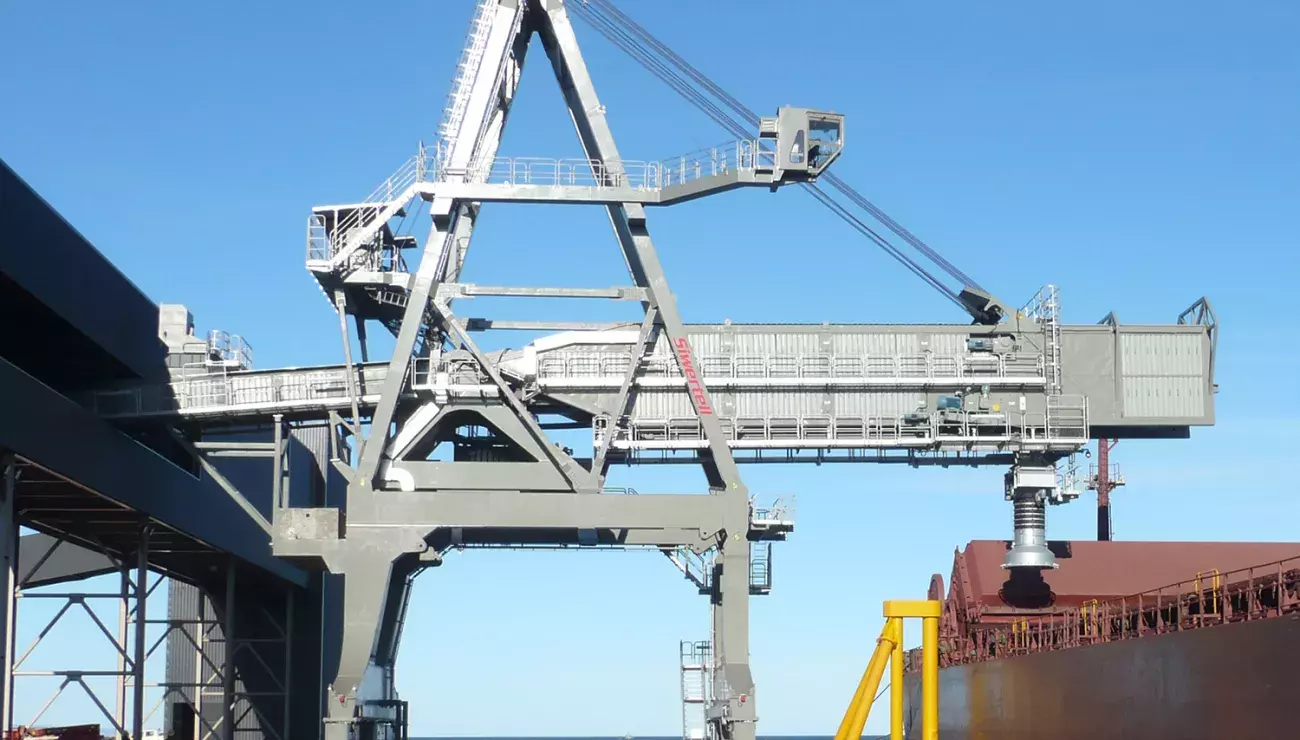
732, 711
374, 581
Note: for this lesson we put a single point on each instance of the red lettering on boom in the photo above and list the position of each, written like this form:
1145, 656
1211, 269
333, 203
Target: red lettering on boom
693, 383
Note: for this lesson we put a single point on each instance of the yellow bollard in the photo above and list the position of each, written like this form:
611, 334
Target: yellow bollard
889, 649
930, 674
896, 686
928, 612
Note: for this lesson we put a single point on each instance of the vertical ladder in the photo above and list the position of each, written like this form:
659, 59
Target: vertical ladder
760, 568
695, 672
1045, 309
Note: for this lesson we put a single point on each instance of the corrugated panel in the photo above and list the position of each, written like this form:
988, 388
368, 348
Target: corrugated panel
779, 404
182, 659
706, 343
875, 404
1160, 398
676, 404
1163, 355
1163, 375
185, 666
662, 405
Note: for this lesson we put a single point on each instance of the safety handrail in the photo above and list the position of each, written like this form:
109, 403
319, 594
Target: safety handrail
574, 365
1209, 598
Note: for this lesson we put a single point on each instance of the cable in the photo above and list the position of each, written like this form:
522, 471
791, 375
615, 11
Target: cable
752, 119
621, 39
620, 29
610, 30
839, 210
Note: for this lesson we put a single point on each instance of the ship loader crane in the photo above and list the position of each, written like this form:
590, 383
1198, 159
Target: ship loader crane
445, 445
1033, 479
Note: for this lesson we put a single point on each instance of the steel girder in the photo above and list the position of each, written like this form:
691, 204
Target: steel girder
402, 510
97, 462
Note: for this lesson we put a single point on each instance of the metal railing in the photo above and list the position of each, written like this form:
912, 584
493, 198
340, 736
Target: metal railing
217, 392
743, 155
780, 510
576, 365
916, 430
467, 67
433, 164
1210, 598
359, 222
229, 350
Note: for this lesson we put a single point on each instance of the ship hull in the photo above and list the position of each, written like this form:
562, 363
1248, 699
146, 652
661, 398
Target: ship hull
1236, 681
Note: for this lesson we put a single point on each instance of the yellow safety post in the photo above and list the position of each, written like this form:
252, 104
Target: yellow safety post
896, 685
889, 649
855, 718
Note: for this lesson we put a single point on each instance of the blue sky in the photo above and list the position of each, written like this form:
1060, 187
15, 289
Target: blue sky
1139, 155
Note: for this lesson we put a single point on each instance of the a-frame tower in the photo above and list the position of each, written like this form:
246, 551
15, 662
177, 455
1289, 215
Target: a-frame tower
505, 481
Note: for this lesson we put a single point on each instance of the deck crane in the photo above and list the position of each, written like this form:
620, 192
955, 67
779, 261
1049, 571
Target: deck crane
458, 452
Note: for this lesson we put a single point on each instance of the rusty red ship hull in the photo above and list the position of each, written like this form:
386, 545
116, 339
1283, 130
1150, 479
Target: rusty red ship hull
1214, 655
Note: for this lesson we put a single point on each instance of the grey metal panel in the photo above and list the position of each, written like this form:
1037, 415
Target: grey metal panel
183, 604
1163, 398
43, 426
1159, 355
1140, 376
309, 468
1088, 359
259, 659
38, 566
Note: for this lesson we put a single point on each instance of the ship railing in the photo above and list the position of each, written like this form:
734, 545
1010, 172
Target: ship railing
586, 365
1210, 598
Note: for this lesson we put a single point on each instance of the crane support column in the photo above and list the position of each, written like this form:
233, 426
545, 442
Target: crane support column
9, 555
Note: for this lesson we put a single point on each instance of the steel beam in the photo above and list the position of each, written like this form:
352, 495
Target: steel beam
514, 509
41, 425
141, 623
736, 716
9, 575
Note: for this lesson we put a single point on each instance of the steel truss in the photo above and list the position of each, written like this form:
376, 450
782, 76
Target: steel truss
132, 648
229, 684
241, 659
508, 483
131, 640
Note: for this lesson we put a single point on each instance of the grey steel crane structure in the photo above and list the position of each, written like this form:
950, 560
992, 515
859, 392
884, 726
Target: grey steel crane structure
457, 451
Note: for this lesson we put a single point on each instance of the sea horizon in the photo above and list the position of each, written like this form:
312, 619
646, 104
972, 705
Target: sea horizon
621, 736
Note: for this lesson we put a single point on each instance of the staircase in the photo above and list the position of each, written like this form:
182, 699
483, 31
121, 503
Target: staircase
471, 59
334, 233
696, 568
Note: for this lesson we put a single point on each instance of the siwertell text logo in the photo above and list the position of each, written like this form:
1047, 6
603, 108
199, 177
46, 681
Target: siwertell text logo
692, 378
